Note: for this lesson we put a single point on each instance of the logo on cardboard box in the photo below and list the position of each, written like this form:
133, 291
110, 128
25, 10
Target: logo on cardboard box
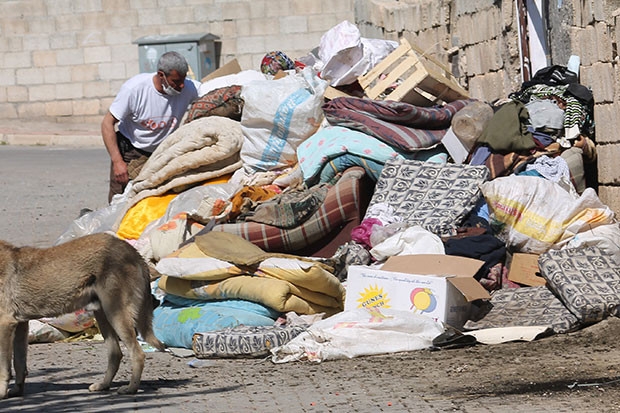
422, 300
373, 296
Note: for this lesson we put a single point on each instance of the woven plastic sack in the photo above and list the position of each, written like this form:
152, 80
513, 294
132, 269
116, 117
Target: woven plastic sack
277, 116
533, 214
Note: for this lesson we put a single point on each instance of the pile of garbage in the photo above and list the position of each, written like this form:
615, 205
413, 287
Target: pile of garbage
361, 187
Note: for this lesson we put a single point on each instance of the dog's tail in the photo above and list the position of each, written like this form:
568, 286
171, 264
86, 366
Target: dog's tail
145, 320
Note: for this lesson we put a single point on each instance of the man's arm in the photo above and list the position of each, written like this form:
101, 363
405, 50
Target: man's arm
109, 140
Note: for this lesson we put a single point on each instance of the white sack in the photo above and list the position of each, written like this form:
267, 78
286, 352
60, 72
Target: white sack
278, 115
535, 213
360, 332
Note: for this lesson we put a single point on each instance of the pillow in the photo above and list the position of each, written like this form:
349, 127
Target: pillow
436, 197
243, 341
527, 306
586, 280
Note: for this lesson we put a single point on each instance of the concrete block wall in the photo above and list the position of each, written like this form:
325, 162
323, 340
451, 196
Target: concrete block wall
478, 40
64, 60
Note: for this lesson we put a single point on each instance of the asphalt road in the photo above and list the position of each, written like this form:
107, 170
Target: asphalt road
45, 187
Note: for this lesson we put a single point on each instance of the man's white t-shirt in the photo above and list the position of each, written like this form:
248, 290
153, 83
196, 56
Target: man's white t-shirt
146, 117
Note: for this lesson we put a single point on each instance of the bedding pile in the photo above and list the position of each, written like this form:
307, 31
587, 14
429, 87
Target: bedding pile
274, 186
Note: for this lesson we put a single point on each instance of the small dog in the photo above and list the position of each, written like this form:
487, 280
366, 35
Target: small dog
98, 272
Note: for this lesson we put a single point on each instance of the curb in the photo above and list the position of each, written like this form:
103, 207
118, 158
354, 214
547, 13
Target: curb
84, 139
47, 140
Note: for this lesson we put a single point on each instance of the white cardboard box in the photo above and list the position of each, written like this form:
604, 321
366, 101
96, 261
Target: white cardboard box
438, 286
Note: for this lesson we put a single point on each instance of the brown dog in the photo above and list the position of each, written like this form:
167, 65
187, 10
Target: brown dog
97, 271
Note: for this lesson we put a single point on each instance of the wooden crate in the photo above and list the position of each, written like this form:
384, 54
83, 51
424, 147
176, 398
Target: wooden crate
406, 75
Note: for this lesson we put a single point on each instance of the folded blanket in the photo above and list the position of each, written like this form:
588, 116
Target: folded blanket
203, 149
399, 124
329, 144
238, 269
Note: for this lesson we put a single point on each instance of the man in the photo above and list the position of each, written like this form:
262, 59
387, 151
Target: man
147, 108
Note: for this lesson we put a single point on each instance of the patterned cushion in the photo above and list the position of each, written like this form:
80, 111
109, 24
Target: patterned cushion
586, 280
434, 196
340, 207
243, 341
527, 306
224, 101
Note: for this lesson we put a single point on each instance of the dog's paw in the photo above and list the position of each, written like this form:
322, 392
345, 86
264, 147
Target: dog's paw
98, 387
128, 389
16, 391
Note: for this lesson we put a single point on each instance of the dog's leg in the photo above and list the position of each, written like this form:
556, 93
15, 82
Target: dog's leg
20, 349
114, 352
7, 334
123, 325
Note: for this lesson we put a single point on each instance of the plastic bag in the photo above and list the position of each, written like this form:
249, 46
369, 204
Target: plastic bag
73, 322
277, 116
101, 220
535, 213
39, 332
413, 240
346, 55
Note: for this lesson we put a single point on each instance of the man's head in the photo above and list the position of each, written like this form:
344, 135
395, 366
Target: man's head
171, 70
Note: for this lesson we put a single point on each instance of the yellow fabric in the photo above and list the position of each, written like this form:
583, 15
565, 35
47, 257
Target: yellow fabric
149, 209
276, 294
143, 213
282, 283
313, 278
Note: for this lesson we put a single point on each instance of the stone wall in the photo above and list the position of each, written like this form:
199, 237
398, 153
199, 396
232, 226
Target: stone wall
64, 60
478, 40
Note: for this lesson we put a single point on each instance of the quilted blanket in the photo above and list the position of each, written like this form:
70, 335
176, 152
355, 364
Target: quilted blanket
203, 149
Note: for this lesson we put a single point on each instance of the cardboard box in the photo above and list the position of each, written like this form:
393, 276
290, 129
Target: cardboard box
437, 286
229, 68
524, 270
409, 75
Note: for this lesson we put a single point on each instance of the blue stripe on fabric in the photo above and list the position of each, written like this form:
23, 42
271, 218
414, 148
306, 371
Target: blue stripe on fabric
281, 126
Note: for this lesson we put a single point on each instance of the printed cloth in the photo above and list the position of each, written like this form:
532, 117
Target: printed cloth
587, 281
275, 61
401, 125
526, 306
177, 319
224, 101
290, 209
333, 141
434, 196
341, 206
